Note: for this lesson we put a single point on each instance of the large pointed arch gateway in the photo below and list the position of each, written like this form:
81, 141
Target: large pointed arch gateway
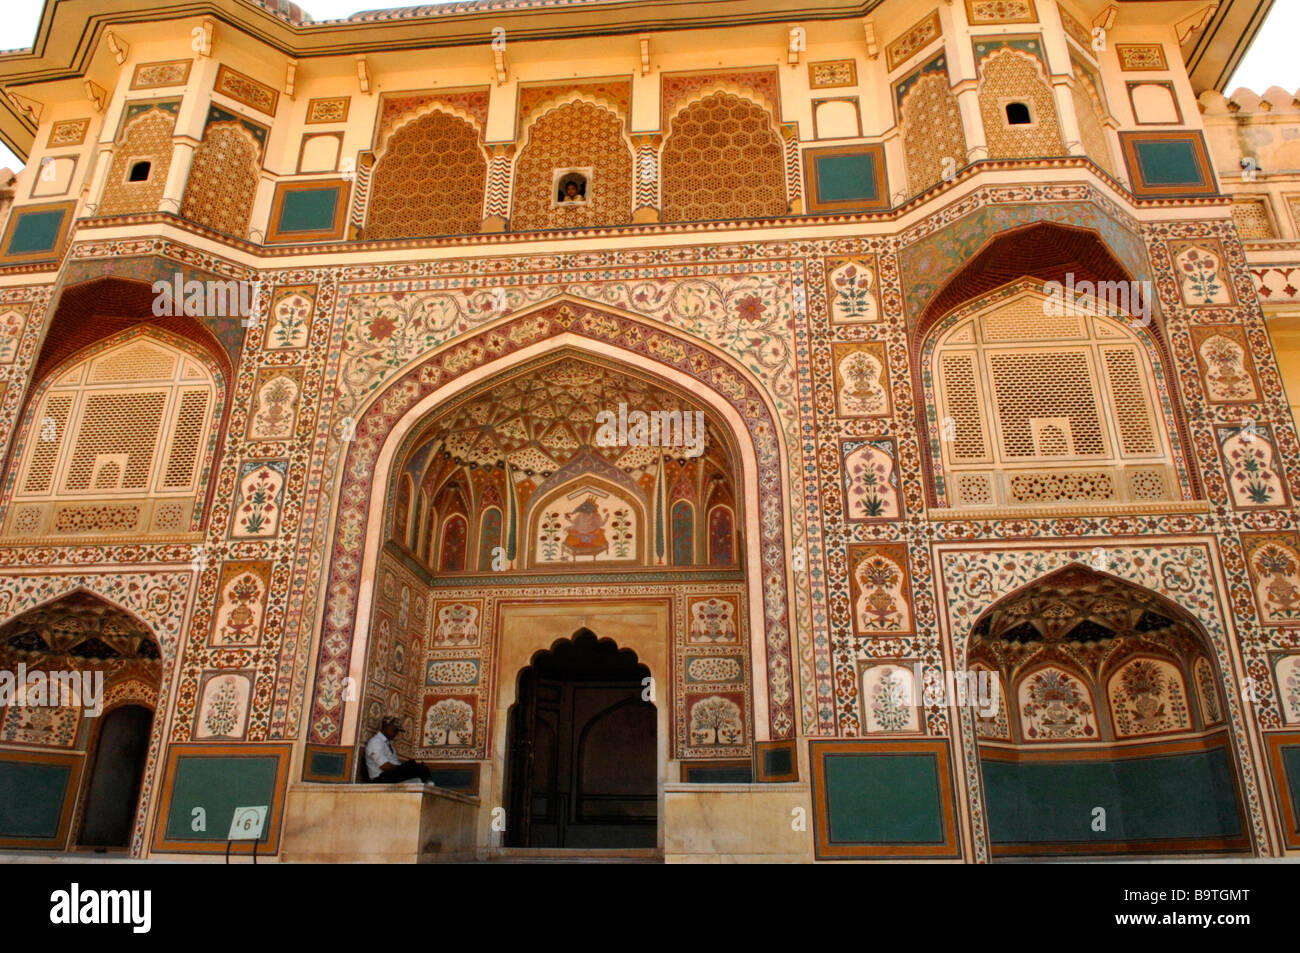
448, 518
1106, 728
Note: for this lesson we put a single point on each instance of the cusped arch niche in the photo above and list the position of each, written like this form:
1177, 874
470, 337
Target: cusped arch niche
118, 440
429, 180
1037, 404
570, 462
723, 160
574, 135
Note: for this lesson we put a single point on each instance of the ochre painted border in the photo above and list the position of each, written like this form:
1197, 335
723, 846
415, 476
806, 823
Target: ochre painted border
880, 180
762, 746
1289, 818
348, 769
1141, 189
333, 233
53, 254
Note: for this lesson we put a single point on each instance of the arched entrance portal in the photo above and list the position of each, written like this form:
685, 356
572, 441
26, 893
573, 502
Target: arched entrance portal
582, 750
1107, 732
74, 746
115, 776
566, 491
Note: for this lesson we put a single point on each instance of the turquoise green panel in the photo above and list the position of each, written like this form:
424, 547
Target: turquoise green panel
36, 232
31, 798
883, 799
846, 178
218, 785
1157, 798
309, 210
1170, 162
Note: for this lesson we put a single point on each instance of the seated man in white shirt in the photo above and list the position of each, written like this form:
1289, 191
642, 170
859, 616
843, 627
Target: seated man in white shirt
382, 763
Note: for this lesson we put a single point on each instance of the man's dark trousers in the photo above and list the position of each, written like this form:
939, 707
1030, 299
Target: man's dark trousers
405, 772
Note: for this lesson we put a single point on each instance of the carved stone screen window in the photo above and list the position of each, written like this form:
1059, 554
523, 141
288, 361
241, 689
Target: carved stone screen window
1036, 408
116, 445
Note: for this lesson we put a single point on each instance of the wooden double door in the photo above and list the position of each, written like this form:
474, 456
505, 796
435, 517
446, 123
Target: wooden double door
583, 769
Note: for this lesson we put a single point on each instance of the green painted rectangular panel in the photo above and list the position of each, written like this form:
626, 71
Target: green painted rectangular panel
453, 779
1169, 796
883, 799
1170, 162
31, 798
846, 178
778, 761
309, 210
717, 775
36, 232
328, 764
1291, 764
218, 785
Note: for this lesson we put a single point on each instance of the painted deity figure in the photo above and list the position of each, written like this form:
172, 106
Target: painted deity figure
585, 534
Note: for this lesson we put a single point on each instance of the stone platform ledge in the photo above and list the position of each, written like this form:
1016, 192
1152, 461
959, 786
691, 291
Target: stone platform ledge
405, 823
738, 823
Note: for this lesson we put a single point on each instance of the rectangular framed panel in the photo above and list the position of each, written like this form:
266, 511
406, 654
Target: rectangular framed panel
883, 799
308, 211
37, 792
846, 179
205, 782
1168, 164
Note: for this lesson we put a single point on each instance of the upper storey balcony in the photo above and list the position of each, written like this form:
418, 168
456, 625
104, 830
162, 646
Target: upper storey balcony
295, 133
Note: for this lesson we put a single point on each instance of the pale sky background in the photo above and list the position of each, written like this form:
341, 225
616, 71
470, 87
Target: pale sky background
1269, 62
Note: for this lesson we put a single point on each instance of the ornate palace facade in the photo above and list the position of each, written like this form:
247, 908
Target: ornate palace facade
826, 431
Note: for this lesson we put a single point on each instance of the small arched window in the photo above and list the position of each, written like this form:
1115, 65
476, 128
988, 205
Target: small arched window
117, 443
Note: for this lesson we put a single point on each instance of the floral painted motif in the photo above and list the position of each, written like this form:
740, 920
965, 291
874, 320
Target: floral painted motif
224, 707
290, 321
712, 620
1055, 706
11, 331
1288, 680
860, 380
1207, 692
1253, 479
1146, 697
716, 721
243, 601
995, 725
449, 723
851, 286
880, 602
261, 486
870, 481
276, 407
1273, 560
1227, 378
55, 727
888, 698
1200, 276
456, 623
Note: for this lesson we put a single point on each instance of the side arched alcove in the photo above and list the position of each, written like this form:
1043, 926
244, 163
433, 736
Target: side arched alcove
1037, 303
1106, 727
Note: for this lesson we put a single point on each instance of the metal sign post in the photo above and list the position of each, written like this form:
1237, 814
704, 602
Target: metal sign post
246, 825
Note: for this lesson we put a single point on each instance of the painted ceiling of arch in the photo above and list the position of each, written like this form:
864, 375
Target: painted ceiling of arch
79, 626
1086, 616
544, 419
